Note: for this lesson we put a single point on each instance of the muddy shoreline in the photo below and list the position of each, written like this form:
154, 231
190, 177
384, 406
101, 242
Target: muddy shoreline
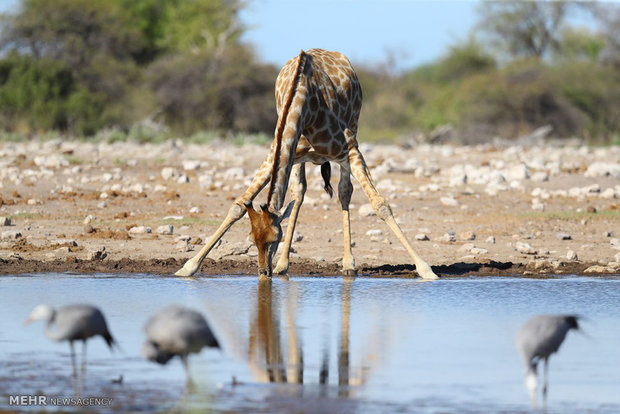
167, 267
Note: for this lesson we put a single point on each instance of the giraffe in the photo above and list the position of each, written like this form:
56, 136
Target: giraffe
318, 98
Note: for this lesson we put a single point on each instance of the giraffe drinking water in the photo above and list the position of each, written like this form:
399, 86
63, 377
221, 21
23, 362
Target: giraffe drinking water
318, 98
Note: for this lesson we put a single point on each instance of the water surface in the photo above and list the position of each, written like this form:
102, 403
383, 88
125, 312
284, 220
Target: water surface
320, 344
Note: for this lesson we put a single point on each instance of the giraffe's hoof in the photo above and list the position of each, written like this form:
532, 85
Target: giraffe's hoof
264, 278
349, 272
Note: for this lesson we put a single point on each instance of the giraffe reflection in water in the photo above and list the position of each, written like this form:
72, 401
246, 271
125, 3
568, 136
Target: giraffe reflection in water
276, 352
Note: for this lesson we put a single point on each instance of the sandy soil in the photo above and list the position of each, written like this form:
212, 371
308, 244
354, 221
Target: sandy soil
71, 207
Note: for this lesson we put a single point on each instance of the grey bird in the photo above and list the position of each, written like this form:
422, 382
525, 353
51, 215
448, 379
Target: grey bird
176, 331
537, 339
73, 323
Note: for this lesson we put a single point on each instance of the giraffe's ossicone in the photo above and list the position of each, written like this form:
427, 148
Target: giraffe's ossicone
318, 99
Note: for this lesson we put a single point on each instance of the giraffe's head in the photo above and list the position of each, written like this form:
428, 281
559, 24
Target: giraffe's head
266, 233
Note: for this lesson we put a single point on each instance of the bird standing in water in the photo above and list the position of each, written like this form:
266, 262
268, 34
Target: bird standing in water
537, 339
73, 323
176, 331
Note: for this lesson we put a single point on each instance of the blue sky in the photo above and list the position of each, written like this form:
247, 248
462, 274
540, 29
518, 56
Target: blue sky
413, 31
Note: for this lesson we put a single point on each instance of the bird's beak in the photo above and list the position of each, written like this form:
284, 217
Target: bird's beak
27, 321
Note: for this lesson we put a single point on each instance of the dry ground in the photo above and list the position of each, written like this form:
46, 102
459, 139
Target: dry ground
48, 189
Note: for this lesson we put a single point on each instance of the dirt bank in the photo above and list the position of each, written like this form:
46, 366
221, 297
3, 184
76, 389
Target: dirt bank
78, 207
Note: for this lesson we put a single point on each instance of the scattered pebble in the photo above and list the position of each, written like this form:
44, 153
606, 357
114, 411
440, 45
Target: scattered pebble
490, 239
166, 229
449, 201
97, 254
448, 237
563, 236
366, 210
468, 235
374, 232
139, 230
478, 251
525, 248
421, 237
571, 255
5, 221
10, 235
168, 173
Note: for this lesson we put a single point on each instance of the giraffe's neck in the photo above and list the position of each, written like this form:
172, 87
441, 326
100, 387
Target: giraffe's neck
288, 131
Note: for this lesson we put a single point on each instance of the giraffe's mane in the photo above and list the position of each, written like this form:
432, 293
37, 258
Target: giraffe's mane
282, 123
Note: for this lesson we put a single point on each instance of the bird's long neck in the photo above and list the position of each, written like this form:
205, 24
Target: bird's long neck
51, 334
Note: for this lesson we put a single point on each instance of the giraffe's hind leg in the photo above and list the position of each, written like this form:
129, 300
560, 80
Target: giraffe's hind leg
383, 210
345, 189
298, 179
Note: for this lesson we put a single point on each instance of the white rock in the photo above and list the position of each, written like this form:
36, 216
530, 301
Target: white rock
10, 235
297, 237
5, 221
183, 179
183, 246
448, 237
525, 248
608, 193
540, 176
518, 172
468, 235
421, 237
139, 230
234, 173
563, 236
478, 250
366, 210
97, 254
166, 229
205, 180
466, 247
449, 201
51, 161
571, 255
458, 180
191, 165
168, 173
490, 239
601, 169
374, 232
615, 243
194, 210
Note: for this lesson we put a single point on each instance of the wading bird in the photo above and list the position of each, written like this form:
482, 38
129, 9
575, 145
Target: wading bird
176, 331
537, 339
73, 323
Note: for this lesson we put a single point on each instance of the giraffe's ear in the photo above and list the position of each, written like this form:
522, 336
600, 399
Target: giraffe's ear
250, 208
286, 212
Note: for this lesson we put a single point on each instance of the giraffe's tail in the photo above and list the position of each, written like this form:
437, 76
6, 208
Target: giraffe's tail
326, 173
283, 120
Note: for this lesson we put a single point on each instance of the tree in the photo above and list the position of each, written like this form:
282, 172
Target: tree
524, 28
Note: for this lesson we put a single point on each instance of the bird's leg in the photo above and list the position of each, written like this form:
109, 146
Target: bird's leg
83, 365
190, 383
545, 382
73, 359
